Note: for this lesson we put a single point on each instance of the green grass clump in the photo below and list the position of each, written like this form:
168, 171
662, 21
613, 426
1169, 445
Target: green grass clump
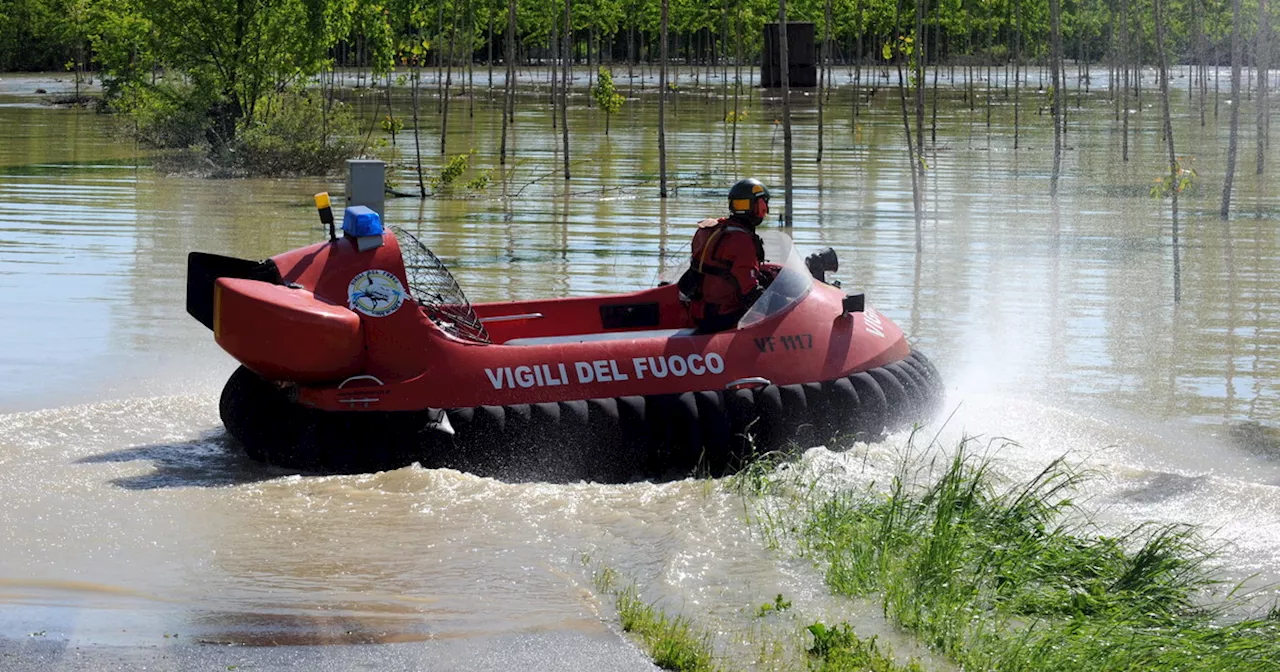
672, 642
777, 605
1000, 579
836, 649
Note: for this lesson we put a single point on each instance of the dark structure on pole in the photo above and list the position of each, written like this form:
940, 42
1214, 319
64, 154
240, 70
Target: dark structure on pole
802, 62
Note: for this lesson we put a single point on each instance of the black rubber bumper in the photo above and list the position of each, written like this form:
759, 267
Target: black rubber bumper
606, 440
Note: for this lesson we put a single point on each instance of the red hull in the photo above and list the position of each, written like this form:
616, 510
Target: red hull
541, 351
345, 370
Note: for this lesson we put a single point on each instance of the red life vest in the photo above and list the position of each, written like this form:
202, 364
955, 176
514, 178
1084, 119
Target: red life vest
727, 256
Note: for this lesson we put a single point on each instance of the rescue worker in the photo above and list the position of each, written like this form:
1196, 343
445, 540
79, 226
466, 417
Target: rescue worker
724, 277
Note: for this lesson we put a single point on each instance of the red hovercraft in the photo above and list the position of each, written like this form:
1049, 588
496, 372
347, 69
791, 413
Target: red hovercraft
362, 353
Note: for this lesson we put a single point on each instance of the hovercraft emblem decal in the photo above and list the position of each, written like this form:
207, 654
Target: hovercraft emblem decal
376, 293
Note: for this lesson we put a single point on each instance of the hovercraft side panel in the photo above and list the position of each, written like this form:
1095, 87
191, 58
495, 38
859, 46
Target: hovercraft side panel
603, 439
284, 333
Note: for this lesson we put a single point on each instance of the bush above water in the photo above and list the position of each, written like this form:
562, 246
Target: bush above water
165, 116
292, 133
301, 134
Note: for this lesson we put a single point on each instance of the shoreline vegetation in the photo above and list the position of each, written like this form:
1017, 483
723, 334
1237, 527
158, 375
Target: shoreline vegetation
252, 88
985, 572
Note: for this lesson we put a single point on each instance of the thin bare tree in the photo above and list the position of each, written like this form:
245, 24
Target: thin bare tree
1174, 177
917, 200
448, 80
933, 100
737, 78
1017, 64
1125, 40
470, 52
565, 73
921, 57
509, 107
555, 46
1197, 25
823, 71
724, 59
1264, 66
417, 143
491, 11
1117, 39
1237, 56
857, 70
785, 66
662, 100
1059, 91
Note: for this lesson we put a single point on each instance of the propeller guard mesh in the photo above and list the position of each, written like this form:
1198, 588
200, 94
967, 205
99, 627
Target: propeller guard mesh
434, 288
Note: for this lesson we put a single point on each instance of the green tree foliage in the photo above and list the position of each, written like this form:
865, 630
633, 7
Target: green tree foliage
607, 96
123, 43
234, 52
206, 71
239, 49
42, 34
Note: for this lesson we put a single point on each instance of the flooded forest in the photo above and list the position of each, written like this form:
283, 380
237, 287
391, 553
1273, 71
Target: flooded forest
1069, 205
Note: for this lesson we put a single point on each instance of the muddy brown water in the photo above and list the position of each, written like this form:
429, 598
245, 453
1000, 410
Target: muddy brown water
129, 519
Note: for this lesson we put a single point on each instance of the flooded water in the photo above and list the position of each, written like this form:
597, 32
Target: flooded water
129, 520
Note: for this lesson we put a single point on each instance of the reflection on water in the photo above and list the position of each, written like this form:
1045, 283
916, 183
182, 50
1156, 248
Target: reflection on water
1053, 326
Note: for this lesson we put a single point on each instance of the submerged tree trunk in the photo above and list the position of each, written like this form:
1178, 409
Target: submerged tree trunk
662, 102
968, 67
391, 117
737, 81
470, 52
591, 71
724, 60
857, 74
784, 66
1236, 57
439, 70
933, 103
1264, 65
564, 82
1117, 40
1137, 65
1059, 91
1197, 24
1017, 64
858, 71
1124, 86
823, 72
417, 144
509, 106
921, 56
1174, 177
917, 202
489, 64
555, 46
448, 82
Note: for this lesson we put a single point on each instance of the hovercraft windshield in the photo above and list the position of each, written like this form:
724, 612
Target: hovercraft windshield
791, 283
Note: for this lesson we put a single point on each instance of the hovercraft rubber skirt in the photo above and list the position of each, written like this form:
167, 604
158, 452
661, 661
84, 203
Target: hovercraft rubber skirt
605, 440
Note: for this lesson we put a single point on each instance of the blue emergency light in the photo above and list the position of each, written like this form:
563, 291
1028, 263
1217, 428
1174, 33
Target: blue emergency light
359, 221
